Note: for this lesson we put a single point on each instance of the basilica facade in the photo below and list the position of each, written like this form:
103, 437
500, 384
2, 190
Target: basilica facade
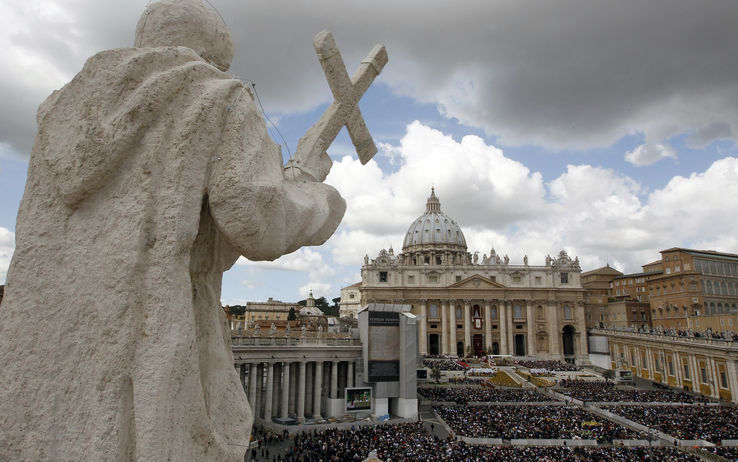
469, 305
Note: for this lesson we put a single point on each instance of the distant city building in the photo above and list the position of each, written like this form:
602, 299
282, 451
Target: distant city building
596, 284
350, 301
469, 304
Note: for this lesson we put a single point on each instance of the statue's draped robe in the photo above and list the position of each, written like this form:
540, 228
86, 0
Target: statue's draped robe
151, 172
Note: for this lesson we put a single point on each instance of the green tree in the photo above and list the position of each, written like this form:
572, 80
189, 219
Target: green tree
237, 310
292, 316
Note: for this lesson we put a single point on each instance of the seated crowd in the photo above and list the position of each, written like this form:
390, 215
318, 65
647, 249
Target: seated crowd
549, 365
443, 364
463, 395
598, 391
537, 422
411, 442
710, 423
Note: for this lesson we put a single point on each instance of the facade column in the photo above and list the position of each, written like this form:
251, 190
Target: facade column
301, 393
269, 393
285, 390
467, 326
678, 371
452, 330
649, 363
530, 324
422, 328
712, 371
553, 331
444, 328
334, 380
350, 375
487, 326
318, 373
252, 388
502, 308
510, 325
580, 319
695, 374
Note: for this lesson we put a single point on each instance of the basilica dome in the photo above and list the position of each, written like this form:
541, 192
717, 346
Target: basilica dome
434, 229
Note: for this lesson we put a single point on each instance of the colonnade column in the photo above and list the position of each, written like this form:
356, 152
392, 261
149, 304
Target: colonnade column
301, 393
452, 330
259, 389
422, 335
467, 326
318, 373
275, 389
334, 380
252, 387
732, 373
444, 328
487, 326
530, 324
293, 389
503, 328
285, 390
350, 375
269, 392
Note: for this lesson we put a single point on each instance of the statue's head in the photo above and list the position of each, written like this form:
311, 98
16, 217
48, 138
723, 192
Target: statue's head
188, 23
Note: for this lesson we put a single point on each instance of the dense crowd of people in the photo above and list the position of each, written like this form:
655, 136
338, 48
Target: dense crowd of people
444, 364
710, 423
463, 395
548, 365
598, 391
726, 335
536, 422
730, 453
411, 442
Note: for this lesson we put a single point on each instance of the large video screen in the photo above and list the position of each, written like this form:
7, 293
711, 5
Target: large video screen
358, 399
384, 346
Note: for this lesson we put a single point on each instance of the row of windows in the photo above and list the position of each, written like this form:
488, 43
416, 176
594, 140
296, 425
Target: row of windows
716, 267
658, 367
433, 278
719, 287
476, 313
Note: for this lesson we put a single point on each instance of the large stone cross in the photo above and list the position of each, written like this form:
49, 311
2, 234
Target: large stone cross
344, 111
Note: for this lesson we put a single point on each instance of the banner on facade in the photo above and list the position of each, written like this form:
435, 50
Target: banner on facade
384, 346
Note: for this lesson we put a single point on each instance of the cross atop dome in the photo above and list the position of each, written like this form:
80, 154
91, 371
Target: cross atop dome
433, 204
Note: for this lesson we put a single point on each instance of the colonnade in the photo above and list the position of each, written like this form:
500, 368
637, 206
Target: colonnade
294, 389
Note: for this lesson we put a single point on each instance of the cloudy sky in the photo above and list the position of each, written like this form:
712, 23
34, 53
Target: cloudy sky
606, 128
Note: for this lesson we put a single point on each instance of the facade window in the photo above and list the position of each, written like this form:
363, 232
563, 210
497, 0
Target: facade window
458, 278
411, 279
567, 312
433, 278
433, 310
458, 312
723, 380
351, 296
671, 368
564, 278
677, 269
516, 279
538, 281
686, 371
703, 371
494, 312
383, 276
518, 312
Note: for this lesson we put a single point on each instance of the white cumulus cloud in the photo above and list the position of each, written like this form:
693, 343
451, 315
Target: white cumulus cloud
7, 246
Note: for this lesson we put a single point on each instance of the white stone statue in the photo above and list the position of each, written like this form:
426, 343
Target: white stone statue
507, 259
152, 171
272, 330
476, 257
525, 260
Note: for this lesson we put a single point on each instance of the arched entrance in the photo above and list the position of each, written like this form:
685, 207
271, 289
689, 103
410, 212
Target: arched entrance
568, 339
495, 348
477, 344
433, 344
460, 349
519, 345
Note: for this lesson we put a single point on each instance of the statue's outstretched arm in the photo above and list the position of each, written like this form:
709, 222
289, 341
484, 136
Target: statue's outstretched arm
255, 203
